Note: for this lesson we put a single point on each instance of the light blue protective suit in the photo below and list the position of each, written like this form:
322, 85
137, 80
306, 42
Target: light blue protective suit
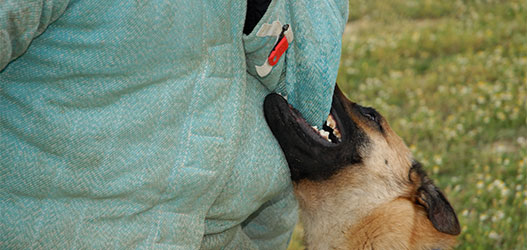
139, 124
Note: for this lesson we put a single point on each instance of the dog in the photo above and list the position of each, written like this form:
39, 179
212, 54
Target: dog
356, 182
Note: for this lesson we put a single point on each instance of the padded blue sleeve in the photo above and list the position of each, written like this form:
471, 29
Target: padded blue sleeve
314, 57
23, 20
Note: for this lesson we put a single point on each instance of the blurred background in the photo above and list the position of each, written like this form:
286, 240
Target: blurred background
450, 77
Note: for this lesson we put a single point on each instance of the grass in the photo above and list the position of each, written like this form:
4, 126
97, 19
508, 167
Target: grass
450, 77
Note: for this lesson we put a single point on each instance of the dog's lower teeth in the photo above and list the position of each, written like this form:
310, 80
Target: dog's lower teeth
336, 132
324, 134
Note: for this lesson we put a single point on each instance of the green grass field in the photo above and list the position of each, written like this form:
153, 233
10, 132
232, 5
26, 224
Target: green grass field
450, 77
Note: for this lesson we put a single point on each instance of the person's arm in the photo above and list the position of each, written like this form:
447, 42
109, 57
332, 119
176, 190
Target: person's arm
23, 20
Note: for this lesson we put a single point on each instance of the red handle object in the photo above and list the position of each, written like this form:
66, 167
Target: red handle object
278, 51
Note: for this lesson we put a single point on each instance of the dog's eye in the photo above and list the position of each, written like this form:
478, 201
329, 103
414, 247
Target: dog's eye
371, 115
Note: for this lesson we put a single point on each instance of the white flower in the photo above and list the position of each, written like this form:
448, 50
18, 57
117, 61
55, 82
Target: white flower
505, 192
493, 235
521, 140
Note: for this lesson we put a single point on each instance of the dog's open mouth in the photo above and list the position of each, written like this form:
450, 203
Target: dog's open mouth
329, 131
287, 122
312, 152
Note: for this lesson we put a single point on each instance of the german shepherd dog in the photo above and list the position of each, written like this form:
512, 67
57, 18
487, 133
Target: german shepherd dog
357, 184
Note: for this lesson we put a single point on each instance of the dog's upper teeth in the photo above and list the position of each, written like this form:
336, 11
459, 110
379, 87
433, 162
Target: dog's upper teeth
331, 122
336, 132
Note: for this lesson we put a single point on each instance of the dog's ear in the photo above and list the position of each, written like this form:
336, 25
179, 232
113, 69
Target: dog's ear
438, 209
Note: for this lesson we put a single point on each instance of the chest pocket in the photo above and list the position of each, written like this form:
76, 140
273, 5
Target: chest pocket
260, 43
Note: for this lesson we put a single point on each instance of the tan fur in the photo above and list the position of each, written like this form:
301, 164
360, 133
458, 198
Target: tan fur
397, 225
369, 205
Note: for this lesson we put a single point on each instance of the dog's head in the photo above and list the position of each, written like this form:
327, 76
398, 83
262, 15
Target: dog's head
356, 161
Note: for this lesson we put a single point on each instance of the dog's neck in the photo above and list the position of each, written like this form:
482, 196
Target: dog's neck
327, 224
328, 219
365, 224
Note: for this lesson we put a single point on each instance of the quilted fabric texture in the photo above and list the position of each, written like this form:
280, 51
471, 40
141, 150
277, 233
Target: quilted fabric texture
139, 124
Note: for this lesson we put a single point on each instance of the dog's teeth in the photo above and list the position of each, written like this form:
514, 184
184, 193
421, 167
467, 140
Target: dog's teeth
336, 132
331, 122
324, 134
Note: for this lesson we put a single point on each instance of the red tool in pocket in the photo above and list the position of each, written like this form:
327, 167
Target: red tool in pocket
284, 36
280, 47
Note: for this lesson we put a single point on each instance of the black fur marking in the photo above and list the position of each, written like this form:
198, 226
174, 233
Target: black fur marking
418, 168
